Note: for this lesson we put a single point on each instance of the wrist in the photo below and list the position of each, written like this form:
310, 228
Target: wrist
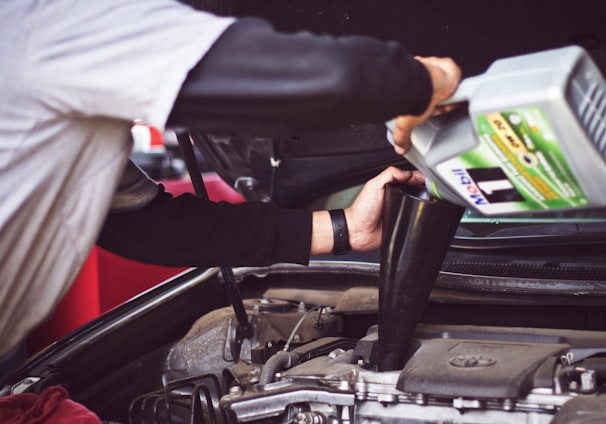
341, 243
321, 233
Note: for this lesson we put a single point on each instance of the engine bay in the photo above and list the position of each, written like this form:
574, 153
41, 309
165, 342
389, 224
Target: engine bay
362, 343
304, 366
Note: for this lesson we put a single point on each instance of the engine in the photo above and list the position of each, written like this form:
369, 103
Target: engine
300, 367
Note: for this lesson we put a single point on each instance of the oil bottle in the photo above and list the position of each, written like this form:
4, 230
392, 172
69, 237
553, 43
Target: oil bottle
529, 136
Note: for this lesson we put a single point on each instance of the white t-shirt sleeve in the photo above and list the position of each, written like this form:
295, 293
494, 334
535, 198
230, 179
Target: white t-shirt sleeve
119, 59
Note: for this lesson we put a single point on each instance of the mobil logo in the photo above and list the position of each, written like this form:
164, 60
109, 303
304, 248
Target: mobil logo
467, 186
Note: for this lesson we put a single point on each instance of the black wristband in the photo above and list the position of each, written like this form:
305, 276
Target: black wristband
341, 244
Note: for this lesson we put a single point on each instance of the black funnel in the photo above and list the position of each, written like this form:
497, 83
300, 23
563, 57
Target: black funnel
417, 231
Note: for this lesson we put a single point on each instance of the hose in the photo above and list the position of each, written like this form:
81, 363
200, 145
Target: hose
279, 361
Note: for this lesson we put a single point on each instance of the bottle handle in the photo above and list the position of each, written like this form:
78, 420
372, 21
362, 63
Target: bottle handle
463, 93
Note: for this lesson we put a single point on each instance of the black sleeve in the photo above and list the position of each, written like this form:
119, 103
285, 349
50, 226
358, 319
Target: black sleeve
256, 79
189, 231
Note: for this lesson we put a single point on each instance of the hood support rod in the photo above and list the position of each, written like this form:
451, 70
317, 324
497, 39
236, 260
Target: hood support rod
244, 329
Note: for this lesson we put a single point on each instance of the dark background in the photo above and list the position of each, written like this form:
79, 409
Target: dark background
473, 32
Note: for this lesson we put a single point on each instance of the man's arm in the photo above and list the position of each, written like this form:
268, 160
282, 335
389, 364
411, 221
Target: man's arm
256, 79
190, 231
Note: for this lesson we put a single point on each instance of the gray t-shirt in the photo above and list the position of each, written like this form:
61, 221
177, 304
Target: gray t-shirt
74, 75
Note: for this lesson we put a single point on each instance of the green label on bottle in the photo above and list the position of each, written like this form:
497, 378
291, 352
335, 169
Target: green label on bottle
517, 166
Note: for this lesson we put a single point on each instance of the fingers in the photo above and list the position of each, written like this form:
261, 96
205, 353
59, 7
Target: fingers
417, 178
372, 192
393, 174
400, 150
442, 109
364, 215
445, 76
402, 133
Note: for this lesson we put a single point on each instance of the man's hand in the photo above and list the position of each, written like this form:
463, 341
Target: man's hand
445, 76
364, 215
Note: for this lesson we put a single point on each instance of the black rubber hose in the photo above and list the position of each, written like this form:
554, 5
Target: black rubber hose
279, 361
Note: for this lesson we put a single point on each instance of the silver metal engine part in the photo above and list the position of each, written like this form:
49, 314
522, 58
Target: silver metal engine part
328, 389
300, 369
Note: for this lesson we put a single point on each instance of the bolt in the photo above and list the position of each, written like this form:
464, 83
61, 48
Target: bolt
588, 381
336, 353
344, 385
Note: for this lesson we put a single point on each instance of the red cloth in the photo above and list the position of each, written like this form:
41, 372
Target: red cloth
53, 406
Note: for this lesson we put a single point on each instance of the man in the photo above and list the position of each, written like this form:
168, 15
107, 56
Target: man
74, 77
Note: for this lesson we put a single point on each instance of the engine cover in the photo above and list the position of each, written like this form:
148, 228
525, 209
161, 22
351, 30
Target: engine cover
453, 374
